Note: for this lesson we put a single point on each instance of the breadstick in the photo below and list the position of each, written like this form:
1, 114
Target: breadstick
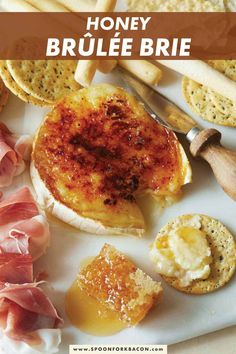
85, 72
204, 74
79, 5
143, 69
105, 5
106, 66
18, 6
86, 69
48, 5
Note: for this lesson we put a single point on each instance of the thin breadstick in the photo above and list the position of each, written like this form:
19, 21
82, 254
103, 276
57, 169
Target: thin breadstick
106, 66
86, 69
143, 69
79, 5
48, 5
204, 74
105, 5
17, 6
85, 72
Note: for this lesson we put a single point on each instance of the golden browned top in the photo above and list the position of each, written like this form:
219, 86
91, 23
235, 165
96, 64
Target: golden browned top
101, 144
115, 281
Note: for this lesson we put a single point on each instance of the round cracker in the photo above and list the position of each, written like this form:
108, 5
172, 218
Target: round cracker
15, 88
224, 105
223, 251
199, 98
228, 68
208, 104
46, 80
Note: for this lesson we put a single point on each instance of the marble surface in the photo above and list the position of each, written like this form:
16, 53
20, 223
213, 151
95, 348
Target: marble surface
219, 342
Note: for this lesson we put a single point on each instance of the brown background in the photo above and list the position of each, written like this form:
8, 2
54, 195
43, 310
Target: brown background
213, 34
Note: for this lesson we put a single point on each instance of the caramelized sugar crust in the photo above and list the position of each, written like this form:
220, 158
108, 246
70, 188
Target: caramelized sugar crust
101, 144
117, 283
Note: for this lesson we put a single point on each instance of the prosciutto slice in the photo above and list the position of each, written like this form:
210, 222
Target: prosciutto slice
16, 268
14, 151
24, 309
18, 206
29, 323
22, 229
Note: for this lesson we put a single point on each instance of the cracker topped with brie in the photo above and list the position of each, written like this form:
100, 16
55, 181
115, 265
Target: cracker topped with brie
96, 152
195, 254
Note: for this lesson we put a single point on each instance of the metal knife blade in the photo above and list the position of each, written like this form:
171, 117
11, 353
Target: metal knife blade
159, 107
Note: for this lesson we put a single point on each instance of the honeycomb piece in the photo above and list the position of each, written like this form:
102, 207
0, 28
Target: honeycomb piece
117, 283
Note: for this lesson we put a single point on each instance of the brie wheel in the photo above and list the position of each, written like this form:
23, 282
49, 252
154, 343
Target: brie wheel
96, 152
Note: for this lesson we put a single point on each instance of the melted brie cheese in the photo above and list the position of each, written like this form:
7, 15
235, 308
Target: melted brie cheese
183, 253
47, 202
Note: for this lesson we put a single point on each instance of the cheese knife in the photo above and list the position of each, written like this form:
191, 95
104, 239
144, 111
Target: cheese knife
204, 143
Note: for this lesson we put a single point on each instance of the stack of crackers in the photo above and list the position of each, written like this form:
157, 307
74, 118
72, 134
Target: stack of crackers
39, 82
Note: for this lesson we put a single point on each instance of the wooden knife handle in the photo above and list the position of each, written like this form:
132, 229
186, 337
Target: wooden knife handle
222, 161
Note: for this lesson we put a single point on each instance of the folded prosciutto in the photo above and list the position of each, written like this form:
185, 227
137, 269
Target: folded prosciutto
29, 323
16, 268
24, 309
14, 150
22, 229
